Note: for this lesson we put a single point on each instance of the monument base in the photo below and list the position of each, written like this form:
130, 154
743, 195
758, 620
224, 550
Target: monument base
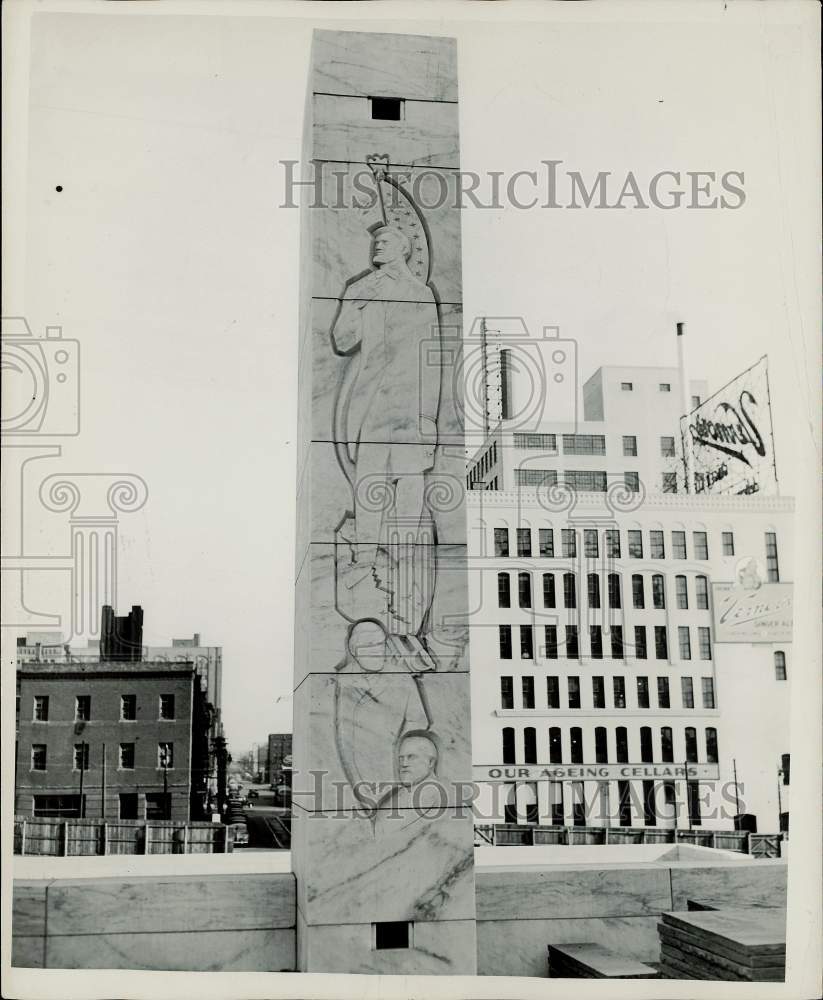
440, 947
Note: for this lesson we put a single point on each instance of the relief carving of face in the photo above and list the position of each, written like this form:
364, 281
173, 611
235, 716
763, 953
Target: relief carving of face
417, 759
390, 245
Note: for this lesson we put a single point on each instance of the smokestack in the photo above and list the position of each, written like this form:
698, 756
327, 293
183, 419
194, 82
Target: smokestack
685, 405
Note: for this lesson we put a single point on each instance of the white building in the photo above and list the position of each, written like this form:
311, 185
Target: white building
600, 692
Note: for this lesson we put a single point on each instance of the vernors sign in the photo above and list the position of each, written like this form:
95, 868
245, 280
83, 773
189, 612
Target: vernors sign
731, 437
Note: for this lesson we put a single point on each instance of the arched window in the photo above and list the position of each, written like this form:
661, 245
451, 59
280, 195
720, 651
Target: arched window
569, 591
504, 591
622, 743
711, 745
508, 745
658, 591
646, 748
780, 665
614, 590
666, 745
555, 746
691, 745
594, 590
601, 745
524, 590
701, 587
638, 596
530, 745
549, 599
682, 592
576, 734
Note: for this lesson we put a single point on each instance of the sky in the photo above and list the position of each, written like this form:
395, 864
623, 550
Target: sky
168, 255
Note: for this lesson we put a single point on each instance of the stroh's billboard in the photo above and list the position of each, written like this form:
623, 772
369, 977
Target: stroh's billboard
731, 437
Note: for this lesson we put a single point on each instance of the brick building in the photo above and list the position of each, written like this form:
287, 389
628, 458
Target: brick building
125, 740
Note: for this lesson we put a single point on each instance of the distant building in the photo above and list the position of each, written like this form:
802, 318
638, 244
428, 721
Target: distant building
280, 747
123, 740
610, 684
115, 728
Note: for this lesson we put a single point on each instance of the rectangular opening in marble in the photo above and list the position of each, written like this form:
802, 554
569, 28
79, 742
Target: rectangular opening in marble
392, 934
387, 109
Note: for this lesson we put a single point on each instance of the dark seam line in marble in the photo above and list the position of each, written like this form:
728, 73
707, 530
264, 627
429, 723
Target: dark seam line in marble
366, 97
357, 298
410, 166
165, 931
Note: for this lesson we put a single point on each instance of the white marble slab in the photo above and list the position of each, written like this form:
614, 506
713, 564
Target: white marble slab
403, 866
384, 65
322, 628
445, 947
520, 947
323, 372
757, 883
535, 893
196, 951
342, 236
352, 728
171, 904
427, 134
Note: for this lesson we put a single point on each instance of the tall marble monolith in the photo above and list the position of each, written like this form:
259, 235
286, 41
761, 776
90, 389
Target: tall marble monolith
382, 840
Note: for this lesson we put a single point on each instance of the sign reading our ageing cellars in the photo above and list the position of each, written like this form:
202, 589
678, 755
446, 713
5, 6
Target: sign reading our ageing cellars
593, 772
731, 437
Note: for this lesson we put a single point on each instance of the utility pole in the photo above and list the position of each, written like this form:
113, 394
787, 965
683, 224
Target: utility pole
82, 770
685, 406
103, 786
736, 798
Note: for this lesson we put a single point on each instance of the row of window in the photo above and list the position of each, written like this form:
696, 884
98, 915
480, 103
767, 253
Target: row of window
612, 546
588, 444
125, 761
599, 692
613, 589
611, 543
628, 803
82, 708
577, 750
157, 806
617, 646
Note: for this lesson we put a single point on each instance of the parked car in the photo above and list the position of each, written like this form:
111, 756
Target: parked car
282, 795
253, 794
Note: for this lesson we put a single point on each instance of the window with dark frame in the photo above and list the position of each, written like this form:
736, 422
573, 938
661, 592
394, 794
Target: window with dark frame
617, 642
167, 707
545, 537
128, 707
780, 665
612, 538
505, 641
657, 546
598, 692
601, 745
642, 692
80, 757
661, 642
572, 646
629, 446
501, 542
663, 696
666, 745
681, 589
727, 541
504, 590
638, 595
574, 691
40, 708
507, 692
593, 586
526, 642
619, 691
549, 595
684, 642
508, 745
679, 544
569, 590
596, 641
527, 684
551, 642
635, 544
772, 566
687, 692
640, 649
553, 692
524, 542
524, 590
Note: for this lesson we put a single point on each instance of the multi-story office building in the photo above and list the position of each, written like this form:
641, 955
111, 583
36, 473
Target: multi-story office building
606, 686
117, 739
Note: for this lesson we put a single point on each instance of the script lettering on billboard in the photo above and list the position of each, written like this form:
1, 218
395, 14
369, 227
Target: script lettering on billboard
731, 437
742, 614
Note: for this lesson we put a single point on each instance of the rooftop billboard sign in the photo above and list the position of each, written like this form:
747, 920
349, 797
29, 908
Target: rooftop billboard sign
731, 437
